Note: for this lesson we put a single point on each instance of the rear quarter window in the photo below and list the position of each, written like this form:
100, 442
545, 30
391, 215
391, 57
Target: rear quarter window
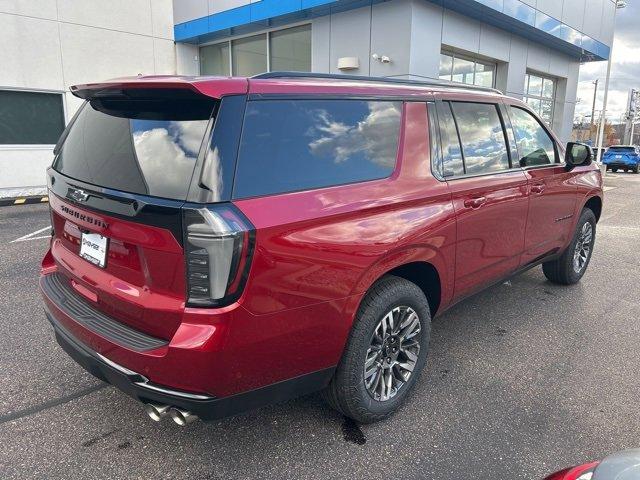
292, 145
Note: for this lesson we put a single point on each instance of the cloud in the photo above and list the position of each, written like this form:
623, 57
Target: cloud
375, 136
625, 68
167, 156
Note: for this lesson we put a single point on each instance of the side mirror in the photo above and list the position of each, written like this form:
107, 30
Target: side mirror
578, 154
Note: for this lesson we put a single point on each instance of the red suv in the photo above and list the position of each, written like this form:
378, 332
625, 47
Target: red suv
221, 243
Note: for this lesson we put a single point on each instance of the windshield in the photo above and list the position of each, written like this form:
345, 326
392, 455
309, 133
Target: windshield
149, 151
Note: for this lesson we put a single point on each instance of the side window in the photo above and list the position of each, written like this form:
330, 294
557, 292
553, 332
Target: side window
434, 142
535, 146
290, 145
484, 146
452, 164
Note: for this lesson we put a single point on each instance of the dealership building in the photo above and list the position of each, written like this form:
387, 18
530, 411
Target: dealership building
529, 49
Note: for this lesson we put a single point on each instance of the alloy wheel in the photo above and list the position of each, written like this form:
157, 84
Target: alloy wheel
583, 247
393, 353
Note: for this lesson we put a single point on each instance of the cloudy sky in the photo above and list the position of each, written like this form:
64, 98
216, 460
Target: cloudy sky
625, 70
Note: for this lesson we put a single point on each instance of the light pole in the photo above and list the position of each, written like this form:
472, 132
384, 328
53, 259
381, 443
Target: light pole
619, 4
593, 108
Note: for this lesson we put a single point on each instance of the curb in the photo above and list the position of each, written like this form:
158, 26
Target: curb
23, 200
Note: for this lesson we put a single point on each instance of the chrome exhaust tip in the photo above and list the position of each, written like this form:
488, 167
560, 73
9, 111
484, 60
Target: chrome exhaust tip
182, 417
156, 412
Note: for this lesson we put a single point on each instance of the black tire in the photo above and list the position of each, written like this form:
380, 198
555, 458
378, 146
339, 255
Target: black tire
347, 392
614, 169
636, 168
563, 271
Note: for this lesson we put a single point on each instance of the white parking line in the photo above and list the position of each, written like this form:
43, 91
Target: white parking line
31, 236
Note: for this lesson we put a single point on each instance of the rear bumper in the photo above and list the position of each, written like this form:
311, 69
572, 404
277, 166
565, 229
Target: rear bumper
206, 367
621, 163
205, 407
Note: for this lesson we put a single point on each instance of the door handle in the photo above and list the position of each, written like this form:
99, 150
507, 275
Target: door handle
537, 188
475, 202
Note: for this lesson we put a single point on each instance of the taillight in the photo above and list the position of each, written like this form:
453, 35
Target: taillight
583, 472
218, 243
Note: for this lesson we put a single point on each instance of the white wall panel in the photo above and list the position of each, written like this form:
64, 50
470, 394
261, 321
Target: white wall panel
217, 6
31, 8
320, 44
187, 59
573, 12
92, 54
350, 32
185, 10
553, 8
162, 19
164, 53
559, 64
391, 36
460, 32
593, 18
30, 53
494, 43
24, 167
572, 82
426, 39
538, 58
123, 15
606, 29
517, 66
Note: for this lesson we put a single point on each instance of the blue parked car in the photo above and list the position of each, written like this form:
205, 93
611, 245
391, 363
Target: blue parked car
622, 157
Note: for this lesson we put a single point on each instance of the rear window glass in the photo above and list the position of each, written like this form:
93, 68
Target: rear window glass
290, 145
622, 150
147, 148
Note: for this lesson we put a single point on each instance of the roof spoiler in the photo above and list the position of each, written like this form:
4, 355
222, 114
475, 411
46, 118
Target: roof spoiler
214, 87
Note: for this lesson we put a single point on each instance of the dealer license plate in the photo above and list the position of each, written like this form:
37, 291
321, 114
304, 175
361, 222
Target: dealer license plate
93, 247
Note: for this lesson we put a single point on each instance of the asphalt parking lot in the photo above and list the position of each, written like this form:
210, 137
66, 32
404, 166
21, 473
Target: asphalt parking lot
522, 379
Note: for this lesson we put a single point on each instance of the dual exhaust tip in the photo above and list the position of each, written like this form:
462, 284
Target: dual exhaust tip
158, 412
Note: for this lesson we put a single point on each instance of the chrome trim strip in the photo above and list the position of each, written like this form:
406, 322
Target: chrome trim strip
118, 367
191, 396
144, 381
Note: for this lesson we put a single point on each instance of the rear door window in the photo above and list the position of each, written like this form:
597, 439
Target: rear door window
535, 145
484, 145
142, 147
292, 145
452, 164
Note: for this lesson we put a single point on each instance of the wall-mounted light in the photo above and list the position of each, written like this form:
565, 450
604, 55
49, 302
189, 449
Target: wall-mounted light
381, 58
348, 63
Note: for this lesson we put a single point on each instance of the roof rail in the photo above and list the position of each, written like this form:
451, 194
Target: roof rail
360, 78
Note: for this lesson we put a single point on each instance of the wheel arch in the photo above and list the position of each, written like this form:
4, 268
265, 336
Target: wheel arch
423, 265
426, 277
594, 204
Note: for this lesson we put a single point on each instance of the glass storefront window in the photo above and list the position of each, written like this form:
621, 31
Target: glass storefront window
214, 59
288, 49
249, 55
30, 118
462, 69
539, 94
